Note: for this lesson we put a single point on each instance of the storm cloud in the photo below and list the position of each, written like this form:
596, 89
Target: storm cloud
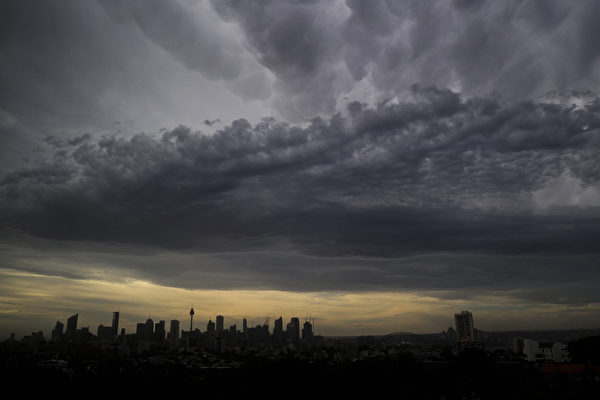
447, 148
319, 50
438, 173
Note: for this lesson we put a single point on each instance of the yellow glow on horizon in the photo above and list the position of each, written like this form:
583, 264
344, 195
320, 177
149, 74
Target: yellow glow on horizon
29, 299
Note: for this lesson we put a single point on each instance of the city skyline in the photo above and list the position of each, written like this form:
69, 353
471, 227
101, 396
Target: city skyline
379, 165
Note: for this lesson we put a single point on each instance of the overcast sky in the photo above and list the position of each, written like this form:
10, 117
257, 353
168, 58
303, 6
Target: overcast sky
379, 165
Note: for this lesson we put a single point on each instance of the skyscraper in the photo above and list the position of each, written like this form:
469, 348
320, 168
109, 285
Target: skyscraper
465, 331
115, 324
220, 323
149, 330
140, 331
174, 333
57, 332
307, 333
72, 325
278, 331
210, 326
293, 330
159, 332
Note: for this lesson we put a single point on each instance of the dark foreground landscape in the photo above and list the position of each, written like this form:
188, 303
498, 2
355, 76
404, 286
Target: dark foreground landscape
333, 370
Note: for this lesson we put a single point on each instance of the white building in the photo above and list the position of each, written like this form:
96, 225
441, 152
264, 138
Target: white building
543, 351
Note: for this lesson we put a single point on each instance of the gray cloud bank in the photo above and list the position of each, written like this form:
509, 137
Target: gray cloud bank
319, 50
438, 173
498, 172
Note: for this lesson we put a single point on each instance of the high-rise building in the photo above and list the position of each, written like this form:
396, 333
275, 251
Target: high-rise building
159, 332
57, 332
307, 332
210, 326
191, 319
115, 324
220, 323
149, 330
244, 326
293, 330
104, 333
140, 331
174, 333
72, 325
278, 331
465, 331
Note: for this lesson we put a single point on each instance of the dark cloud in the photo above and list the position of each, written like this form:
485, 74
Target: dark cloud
319, 50
493, 185
439, 173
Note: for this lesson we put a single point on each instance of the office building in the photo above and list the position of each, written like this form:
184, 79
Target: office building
159, 332
57, 332
210, 326
307, 333
540, 351
174, 334
72, 325
149, 330
104, 333
140, 331
115, 324
220, 323
293, 330
465, 331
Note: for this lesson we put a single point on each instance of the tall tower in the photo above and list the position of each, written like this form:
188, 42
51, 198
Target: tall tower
174, 333
149, 330
72, 324
115, 324
191, 319
465, 331
220, 323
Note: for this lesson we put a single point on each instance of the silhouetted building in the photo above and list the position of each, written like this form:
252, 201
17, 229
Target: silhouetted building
105, 333
220, 324
278, 338
115, 324
159, 332
72, 325
293, 330
244, 326
210, 326
174, 334
84, 335
149, 330
210, 342
57, 332
307, 333
140, 331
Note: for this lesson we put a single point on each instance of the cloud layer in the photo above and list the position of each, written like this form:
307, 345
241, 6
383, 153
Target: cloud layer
437, 173
448, 148
319, 50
